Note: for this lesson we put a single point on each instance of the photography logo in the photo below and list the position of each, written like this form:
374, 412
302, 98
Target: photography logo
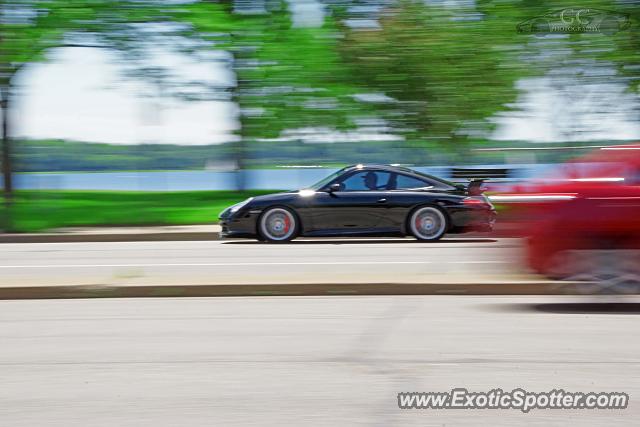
574, 20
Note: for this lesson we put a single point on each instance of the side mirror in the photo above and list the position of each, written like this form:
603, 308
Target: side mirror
335, 187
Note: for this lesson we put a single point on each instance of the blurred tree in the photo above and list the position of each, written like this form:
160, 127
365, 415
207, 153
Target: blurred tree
446, 70
25, 32
295, 79
585, 73
30, 27
626, 54
287, 77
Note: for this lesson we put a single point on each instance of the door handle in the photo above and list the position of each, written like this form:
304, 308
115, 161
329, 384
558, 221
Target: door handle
382, 200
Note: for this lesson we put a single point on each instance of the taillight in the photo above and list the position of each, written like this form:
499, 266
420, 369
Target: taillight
476, 201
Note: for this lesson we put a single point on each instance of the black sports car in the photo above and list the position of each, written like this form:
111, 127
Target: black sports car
364, 200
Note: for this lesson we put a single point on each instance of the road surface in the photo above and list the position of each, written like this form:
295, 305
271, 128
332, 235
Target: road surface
306, 361
244, 261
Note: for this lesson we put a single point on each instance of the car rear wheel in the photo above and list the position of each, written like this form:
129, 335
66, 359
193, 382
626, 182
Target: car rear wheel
428, 223
277, 225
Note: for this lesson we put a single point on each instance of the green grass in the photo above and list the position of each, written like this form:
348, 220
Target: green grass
36, 210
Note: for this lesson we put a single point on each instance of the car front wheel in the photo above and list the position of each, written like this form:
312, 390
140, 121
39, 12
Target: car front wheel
277, 225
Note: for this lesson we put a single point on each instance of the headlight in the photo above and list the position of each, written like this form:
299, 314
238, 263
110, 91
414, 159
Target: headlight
235, 208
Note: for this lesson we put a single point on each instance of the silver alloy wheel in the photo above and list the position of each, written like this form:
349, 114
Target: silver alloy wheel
428, 223
277, 224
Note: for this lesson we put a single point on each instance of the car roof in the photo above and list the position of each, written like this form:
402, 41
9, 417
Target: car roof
397, 169
388, 168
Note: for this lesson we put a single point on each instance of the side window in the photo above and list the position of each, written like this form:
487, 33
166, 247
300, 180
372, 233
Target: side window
366, 181
404, 182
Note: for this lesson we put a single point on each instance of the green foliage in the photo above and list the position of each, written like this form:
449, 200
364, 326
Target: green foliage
299, 81
287, 77
30, 27
447, 69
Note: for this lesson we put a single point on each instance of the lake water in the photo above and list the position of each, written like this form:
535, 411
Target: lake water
282, 179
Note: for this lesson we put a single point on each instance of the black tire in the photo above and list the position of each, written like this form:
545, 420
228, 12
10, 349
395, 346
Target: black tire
278, 225
428, 223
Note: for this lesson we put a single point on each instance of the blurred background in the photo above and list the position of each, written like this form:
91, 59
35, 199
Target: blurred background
164, 112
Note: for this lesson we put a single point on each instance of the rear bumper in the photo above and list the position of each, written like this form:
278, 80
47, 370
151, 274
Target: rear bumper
479, 220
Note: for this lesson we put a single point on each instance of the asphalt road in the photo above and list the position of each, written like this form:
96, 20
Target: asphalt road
245, 261
323, 361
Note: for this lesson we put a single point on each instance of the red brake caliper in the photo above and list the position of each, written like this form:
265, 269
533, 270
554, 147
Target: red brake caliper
287, 223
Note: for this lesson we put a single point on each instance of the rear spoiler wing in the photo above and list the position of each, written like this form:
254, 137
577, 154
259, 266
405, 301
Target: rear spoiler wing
472, 177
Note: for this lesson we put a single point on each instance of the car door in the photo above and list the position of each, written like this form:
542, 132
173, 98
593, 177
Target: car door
359, 206
407, 191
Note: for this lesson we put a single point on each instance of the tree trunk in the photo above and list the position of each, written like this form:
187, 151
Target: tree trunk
6, 144
6, 159
239, 146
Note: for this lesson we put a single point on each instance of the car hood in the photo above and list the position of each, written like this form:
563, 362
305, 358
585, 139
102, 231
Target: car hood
275, 196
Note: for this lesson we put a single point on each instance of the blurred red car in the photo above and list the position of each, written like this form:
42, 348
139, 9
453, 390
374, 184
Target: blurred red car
584, 224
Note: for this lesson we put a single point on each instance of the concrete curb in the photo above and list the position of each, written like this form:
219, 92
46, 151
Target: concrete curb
302, 289
141, 237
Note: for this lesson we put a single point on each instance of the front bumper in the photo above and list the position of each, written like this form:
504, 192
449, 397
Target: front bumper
239, 224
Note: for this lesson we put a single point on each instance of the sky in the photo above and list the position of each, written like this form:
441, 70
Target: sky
80, 94
549, 110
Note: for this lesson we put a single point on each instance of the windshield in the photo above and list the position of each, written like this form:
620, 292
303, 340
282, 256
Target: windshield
324, 181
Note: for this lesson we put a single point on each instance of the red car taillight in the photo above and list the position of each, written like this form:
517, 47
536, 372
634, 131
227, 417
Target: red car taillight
476, 201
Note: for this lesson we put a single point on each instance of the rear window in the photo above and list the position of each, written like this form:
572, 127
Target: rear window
404, 182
